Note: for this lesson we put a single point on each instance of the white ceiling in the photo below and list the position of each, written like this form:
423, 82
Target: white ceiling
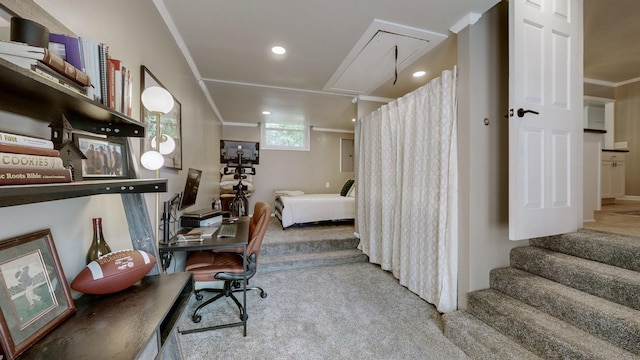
228, 46
612, 40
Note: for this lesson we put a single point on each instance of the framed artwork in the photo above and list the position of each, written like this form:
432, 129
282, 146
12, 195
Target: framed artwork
170, 123
35, 296
106, 157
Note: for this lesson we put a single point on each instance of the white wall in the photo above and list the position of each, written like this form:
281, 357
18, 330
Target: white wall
308, 171
483, 151
136, 35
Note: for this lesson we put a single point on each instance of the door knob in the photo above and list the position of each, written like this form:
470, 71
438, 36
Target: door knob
522, 111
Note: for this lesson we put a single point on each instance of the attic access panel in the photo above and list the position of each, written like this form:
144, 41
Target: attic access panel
372, 60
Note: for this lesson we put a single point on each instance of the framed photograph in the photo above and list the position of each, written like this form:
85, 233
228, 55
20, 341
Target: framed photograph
170, 123
106, 157
35, 296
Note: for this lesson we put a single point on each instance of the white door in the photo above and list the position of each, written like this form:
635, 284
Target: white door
545, 117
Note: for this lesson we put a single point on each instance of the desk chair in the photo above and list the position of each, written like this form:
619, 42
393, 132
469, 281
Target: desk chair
227, 265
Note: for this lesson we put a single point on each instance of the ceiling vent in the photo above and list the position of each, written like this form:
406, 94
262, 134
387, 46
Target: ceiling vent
372, 61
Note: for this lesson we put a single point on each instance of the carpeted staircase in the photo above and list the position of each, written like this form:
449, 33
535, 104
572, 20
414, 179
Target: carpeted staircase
572, 296
308, 246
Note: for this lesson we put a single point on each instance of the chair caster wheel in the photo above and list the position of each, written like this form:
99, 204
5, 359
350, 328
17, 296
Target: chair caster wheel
199, 296
263, 295
196, 318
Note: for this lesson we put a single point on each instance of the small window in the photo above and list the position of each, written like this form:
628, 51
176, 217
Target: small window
276, 136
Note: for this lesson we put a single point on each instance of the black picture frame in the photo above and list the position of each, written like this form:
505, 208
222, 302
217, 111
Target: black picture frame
111, 165
170, 123
35, 297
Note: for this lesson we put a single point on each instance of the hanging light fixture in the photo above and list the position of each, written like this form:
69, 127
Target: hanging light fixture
159, 102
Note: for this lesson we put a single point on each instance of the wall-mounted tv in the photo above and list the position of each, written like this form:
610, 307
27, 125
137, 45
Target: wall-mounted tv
229, 152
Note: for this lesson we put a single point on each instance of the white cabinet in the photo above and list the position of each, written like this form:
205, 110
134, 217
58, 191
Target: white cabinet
612, 174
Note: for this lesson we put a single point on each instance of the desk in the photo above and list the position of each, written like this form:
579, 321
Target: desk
239, 241
131, 324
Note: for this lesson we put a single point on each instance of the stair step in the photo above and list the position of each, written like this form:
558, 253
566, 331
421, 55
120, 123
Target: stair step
612, 249
309, 246
610, 321
479, 340
541, 333
305, 260
609, 282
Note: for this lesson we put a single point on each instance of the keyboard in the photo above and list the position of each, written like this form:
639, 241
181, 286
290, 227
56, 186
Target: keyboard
227, 230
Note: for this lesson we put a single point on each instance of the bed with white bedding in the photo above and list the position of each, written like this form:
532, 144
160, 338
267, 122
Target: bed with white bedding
310, 208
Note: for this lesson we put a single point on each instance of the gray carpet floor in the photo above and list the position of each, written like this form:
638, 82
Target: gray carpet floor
355, 311
276, 234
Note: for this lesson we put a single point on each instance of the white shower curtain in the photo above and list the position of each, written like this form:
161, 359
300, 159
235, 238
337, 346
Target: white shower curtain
407, 190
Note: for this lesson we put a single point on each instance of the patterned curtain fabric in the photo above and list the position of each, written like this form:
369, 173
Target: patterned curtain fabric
408, 190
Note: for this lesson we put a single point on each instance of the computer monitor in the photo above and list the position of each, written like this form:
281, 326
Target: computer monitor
190, 188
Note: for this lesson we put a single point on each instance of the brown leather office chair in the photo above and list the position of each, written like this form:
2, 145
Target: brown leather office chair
227, 265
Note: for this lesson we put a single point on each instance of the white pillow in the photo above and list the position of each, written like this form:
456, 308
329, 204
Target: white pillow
352, 191
228, 185
229, 177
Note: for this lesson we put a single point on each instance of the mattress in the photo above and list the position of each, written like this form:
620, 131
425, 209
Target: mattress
309, 208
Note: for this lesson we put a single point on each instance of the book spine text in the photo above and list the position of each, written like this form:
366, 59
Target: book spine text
16, 176
30, 161
7, 138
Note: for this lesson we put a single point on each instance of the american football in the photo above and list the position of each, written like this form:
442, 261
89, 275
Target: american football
113, 272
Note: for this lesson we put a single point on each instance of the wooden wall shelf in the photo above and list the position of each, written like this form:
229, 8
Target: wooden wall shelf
120, 325
11, 195
24, 92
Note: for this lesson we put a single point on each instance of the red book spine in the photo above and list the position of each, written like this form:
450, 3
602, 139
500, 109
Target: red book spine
30, 150
22, 176
112, 64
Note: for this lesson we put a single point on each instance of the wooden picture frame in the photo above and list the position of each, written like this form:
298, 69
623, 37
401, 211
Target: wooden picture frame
35, 296
170, 123
113, 162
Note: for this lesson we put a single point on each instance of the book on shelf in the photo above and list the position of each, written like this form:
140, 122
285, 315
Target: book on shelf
103, 55
9, 50
113, 68
21, 61
11, 160
8, 138
68, 48
48, 73
89, 50
66, 69
23, 176
28, 150
22, 50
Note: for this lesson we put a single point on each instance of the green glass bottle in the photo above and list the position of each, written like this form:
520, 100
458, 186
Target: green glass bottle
99, 245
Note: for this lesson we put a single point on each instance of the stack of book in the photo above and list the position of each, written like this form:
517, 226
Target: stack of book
28, 160
79, 64
47, 64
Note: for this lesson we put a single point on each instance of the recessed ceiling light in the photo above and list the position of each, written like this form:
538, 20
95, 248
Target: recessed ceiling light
278, 50
419, 73
353, 120
266, 112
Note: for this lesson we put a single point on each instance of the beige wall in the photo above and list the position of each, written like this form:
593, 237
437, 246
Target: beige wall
483, 151
601, 91
137, 36
308, 171
627, 128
